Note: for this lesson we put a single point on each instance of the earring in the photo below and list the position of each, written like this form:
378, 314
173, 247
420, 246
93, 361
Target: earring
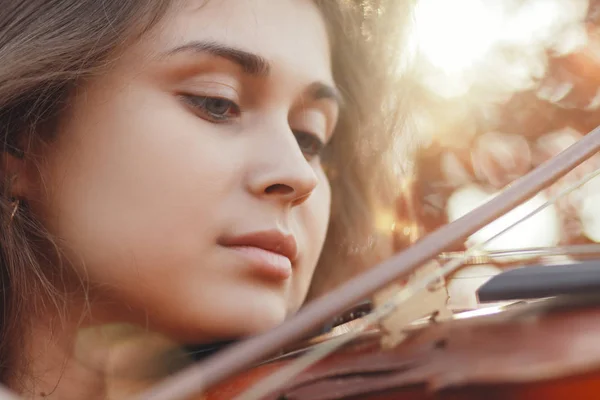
15, 203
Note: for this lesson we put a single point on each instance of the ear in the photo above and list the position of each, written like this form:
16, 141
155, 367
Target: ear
16, 171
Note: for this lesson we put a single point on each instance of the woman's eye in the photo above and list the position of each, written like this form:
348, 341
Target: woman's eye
310, 145
216, 109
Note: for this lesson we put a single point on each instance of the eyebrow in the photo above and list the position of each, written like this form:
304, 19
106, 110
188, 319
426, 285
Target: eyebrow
322, 90
252, 64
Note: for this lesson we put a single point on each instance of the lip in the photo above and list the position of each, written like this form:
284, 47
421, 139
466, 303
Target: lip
271, 252
274, 241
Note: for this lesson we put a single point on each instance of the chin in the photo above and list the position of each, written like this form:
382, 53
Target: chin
223, 322
250, 321
268, 319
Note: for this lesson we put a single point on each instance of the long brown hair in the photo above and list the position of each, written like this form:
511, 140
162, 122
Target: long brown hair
371, 57
48, 46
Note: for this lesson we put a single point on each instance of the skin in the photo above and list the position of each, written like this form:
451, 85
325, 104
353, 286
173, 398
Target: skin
142, 180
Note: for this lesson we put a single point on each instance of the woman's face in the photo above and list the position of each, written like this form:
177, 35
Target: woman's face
186, 182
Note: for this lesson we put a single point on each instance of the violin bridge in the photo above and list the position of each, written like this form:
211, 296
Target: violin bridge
431, 302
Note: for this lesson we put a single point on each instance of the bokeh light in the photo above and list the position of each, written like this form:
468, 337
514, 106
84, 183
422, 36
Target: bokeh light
499, 44
453, 35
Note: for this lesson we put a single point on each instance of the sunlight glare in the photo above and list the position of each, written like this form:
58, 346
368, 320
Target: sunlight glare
500, 45
452, 35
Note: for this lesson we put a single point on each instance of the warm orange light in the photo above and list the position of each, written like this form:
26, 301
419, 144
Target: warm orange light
464, 42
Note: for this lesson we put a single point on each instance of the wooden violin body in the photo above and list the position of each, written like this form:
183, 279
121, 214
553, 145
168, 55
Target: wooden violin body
548, 349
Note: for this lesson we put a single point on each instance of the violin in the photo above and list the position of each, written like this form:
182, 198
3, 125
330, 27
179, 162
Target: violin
539, 349
502, 350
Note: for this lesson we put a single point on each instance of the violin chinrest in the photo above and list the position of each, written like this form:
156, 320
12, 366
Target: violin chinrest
540, 281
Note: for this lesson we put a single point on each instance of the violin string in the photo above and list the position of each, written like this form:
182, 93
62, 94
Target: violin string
568, 250
285, 374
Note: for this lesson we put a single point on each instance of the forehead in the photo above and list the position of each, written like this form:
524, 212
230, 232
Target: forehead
290, 34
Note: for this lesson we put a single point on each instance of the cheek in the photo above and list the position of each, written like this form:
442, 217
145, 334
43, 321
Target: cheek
127, 189
314, 214
321, 210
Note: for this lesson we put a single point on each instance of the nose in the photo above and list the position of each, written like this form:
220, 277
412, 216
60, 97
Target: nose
281, 172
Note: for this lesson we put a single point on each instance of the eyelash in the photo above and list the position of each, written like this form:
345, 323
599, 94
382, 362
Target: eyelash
310, 145
313, 148
201, 106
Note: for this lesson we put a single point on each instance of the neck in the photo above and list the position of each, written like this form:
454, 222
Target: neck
46, 363
85, 358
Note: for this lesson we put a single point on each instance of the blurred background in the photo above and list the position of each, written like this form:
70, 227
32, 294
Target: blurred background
506, 85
